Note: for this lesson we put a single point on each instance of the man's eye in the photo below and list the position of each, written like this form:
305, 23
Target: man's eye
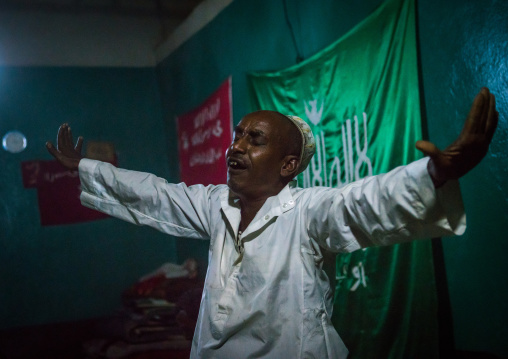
258, 141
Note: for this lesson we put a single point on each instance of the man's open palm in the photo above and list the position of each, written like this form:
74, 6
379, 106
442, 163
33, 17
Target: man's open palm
470, 147
65, 152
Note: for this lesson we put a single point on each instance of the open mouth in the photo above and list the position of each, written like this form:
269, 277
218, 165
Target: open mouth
235, 164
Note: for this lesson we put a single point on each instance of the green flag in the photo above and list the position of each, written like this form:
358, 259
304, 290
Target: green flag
360, 97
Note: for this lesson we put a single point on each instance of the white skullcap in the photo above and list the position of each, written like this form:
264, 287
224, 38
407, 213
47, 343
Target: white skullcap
308, 142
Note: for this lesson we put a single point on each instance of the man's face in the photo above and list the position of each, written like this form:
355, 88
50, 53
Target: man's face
255, 157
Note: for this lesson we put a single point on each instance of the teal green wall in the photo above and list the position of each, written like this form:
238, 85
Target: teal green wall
463, 47
70, 272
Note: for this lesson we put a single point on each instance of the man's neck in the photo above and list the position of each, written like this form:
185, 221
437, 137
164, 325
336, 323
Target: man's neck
251, 203
248, 210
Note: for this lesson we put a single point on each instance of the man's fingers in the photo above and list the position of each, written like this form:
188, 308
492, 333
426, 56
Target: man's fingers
486, 108
52, 150
64, 141
79, 145
60, 141
428, 148
492, 118
474, 119
69, 136
492, 125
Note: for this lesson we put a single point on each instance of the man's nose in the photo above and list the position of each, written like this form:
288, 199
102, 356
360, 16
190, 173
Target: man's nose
238, 146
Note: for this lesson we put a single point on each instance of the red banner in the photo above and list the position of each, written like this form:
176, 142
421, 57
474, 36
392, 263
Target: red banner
204, 134
58, 191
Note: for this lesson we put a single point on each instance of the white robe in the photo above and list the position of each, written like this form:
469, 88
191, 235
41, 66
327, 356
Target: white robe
274, 300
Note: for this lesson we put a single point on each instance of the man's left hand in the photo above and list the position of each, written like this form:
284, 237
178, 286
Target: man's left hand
470, 147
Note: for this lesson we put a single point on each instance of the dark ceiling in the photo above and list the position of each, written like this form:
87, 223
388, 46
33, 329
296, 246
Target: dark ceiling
167, 10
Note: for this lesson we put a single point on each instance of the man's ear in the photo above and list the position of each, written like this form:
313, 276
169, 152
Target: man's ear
290, 166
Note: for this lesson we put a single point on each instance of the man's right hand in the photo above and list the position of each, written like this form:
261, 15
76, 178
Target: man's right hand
65, 152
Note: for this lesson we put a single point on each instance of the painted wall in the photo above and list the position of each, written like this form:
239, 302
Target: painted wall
64, 273
463, 47
97, 73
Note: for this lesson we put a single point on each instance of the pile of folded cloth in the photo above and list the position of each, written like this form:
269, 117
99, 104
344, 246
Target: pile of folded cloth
159, 313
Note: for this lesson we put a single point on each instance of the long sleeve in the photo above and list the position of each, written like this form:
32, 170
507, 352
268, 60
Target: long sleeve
145, 199
398, 206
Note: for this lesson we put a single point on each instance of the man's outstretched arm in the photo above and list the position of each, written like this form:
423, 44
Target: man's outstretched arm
136, 197
470, 147
403, 204
65, 152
